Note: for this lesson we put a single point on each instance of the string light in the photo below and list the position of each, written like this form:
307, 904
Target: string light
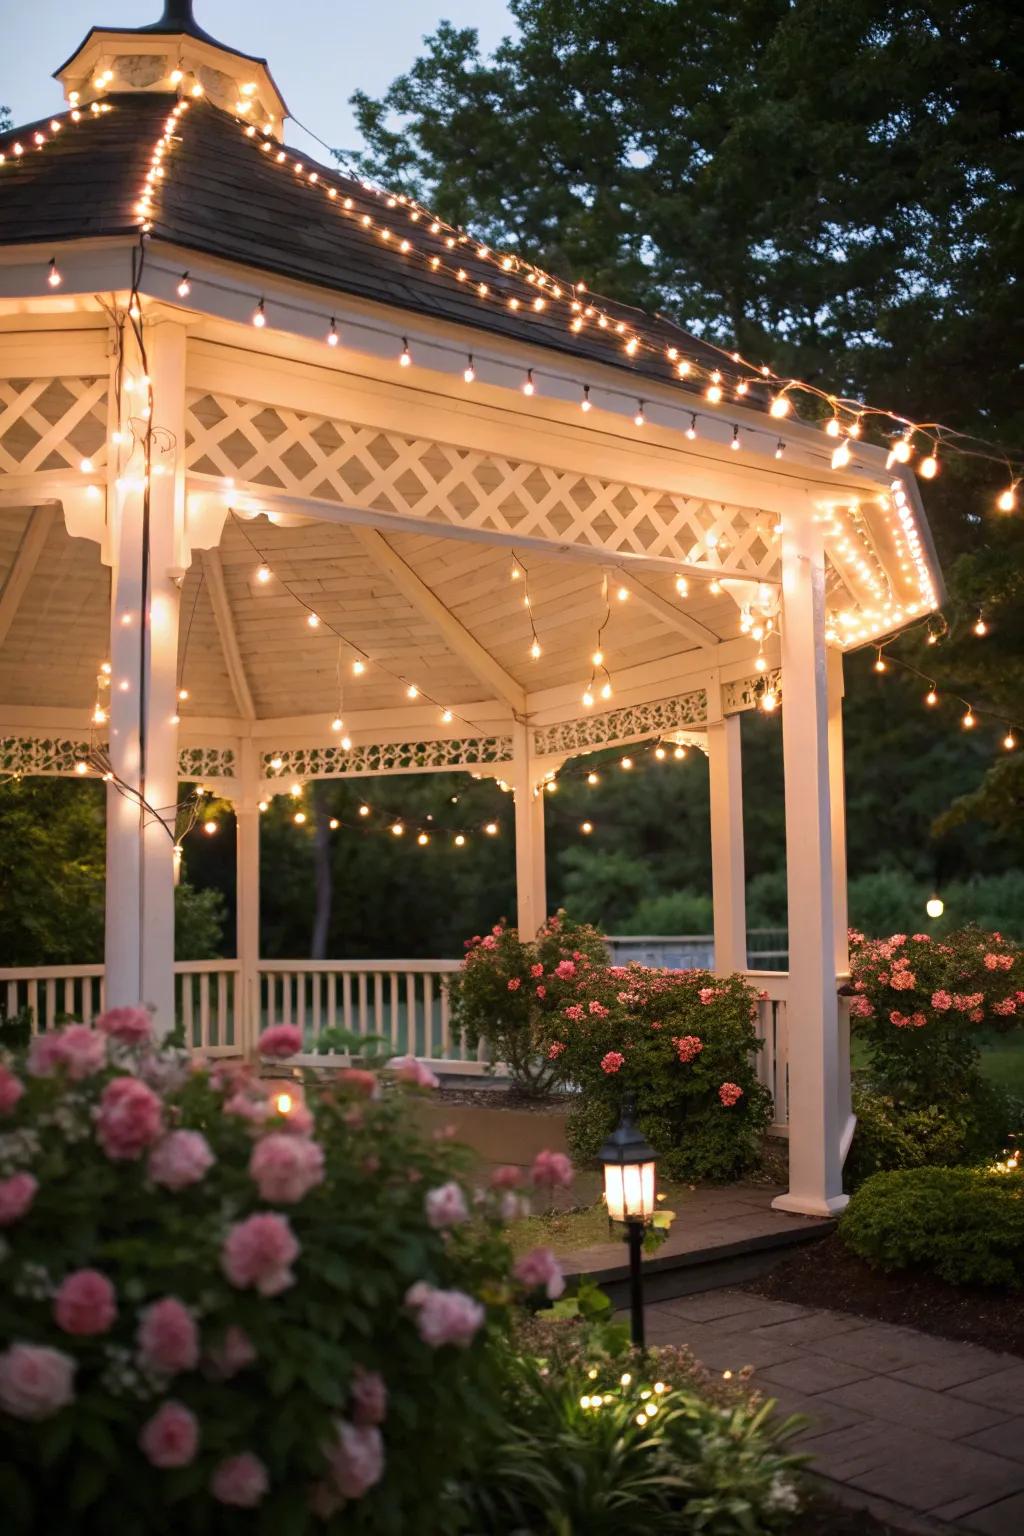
1009, 741
585, 403
184, 286
735, 445
358, 667
980, 627
880, 662
299, 818
53, 277
332, 337
1006, 501
263, 574
929, 466
586, 827
931, 697
259, 315
841, 456
639, 419
832, 427
626, 763
780, 448
691, 431
406, 356
780, 406
968, 720
313, 620
469, 372
528, 385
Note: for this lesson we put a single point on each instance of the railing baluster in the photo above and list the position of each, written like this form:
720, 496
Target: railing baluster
428, 1014
332, 999
316, 981
363, 1014
346, 998
187, 1012
446, 1033
222, 1008
204, 1009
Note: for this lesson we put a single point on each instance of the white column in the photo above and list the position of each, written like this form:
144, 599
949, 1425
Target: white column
728, 873
146, 560
531, 869
815, 1172
247, 900
840, 916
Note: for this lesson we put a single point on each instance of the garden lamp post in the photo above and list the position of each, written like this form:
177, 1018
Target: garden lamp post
629, 1164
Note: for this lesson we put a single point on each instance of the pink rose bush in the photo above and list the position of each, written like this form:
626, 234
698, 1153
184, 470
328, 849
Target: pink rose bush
540, 1269
281, 1041
919, 1004
173, 1247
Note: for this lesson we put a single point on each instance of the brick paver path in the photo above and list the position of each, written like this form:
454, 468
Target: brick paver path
931, 1426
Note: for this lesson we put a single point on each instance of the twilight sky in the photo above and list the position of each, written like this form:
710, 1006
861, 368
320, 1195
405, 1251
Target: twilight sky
320, 51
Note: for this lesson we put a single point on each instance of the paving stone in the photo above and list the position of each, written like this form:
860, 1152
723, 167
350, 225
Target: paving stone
848, 1451
709, 1305
1005, 1439
762, 1319
810, 1374
952, 1477
877, 1346
1004, 1518
822, 1417
934, 1413
944, 1365
1003, 1390
815, 1325
726, 1350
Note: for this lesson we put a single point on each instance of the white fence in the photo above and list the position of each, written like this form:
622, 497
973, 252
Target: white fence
405, 1002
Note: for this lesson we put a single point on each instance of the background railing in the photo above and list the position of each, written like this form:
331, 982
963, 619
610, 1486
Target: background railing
403, 1001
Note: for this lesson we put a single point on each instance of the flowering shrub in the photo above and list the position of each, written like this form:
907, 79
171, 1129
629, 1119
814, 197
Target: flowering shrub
920, 1006
682, 1044
510, 989
207, 1306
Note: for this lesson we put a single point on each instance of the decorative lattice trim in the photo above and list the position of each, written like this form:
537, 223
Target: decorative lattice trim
21, 756
206, 763
365, 467
391, 757
744, 693
52, 424
661, 717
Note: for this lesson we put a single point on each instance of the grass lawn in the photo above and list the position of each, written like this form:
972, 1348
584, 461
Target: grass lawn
582, 1227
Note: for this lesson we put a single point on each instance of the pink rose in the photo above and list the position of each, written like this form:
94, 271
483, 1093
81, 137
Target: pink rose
514, 983
258, 1253
612, 1061
918, 1020
444, 1317
902, 979
129, 1120
356, 1459
992, 962
360, 1081
85, 1303
16, 1196
564, 969
901, 1020
488, 941
707, 994
555, 1049
281, 1041
83, 1051
181, 1159
297, 1121
542, 991
1005, 1006
508, 1176
408, 1070
240, 1481
539, 1267
861, 1008
445, 1206
688, 1047
976, 1015
536, 971
369, 1397
171, 1437
35, 1381
167, 1337
575, 1012
286, 1168
730, 1094
247, 1105
45, 1054
11, 1090
232, 1354
131, 1026
552, 1168
598, 1010
941, 1001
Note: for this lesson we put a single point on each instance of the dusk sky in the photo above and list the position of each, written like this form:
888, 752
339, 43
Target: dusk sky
320, 51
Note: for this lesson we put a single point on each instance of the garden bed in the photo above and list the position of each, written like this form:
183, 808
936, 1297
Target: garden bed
830, 1272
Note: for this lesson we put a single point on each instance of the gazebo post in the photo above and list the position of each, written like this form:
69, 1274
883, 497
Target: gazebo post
531, 870
840, 916
247, 900
139, 958
815, 1167
728, 875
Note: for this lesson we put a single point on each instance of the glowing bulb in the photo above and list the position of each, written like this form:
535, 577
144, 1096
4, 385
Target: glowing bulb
1006, 501
337, 723
585, 402
968, 720
627, 763
86, 466
780, 406
81, 767
588, 698
606, 690
491, 829
832, 427
446, 716
406, 357
528, 385
412, 692
760, 664
469, 372
598, 658
880, 663
935, 906
639, 419
901, 450
423, 839
299, 818
841, 455
332, 333
460, 841
295, 791
364, 810
682, 586
691, 431
622, 594
535, 651
980, 627
769, 700
735, 445
587, 827
184, 286
593, 778
713, 393
359, 667
659, 753
263, 574
397, 829
209, 827
277, 763
313, 620
679, 754
259, 316
931, 697
53, 276
1009, 741
928, 467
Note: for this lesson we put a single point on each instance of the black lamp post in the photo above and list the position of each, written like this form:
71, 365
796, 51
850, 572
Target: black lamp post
629, 1163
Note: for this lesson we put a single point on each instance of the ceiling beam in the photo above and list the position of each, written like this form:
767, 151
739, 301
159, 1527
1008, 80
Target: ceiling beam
37, 531
225, 621
667, 612
469, 650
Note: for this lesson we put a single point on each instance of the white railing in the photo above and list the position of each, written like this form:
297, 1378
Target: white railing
773, 1032
209, 999
405, 1002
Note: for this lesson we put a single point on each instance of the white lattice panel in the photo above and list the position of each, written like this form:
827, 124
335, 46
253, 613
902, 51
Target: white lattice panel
603, 730
52, 424
330, 762
367, 468
746, 691
55, 756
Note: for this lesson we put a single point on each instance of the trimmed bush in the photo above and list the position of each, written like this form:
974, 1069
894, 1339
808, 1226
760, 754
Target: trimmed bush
891, 1134
965, 1225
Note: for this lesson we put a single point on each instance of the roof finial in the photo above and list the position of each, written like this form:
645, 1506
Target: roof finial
178, 14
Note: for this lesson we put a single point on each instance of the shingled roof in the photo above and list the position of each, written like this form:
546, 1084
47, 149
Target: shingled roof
224, 197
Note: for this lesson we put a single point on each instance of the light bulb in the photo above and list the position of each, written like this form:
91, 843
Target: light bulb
446, 716
980, 627
679, 754
528, 385
588, 698
780, 406
832, 426
182, 694
841, 455
313, 620
587, 827
359, 667
535, 651
585, 402
334, 823
691, 431
397, 828
259, 316
460, 841
277, 763
928, 467
760, 664
880, 663
659, 753
593, 778
968, 720
53, 276
606, 690
337, 723
263, 574
713, 393
768, 700
295, 791
598, 658
1009, 741
639, 418
735, 445
682, 586
406, 357
209, 827
935, 906
1006, 501
469, 372
332, 333
86, 466
622, 594
931, 697
551, 786
901, 450
423, 839
299, 818
364, 810
491, 829
780, 448
626, 763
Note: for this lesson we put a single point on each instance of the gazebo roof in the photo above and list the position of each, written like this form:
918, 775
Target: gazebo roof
226, 195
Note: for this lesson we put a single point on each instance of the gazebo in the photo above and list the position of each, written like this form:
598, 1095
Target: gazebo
299, 482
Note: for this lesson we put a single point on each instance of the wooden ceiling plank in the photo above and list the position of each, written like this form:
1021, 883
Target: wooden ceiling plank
228, 637
667, 612
37, 531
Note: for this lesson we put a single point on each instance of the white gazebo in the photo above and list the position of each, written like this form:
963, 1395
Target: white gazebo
274, 446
